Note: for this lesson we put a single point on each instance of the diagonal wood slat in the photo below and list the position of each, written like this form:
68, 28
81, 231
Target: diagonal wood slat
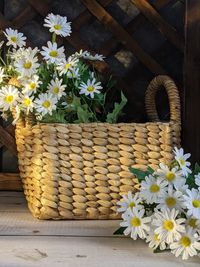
154, 17
8, 140
123, 36
134, 24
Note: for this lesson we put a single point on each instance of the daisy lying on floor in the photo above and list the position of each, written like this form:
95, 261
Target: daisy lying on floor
166, 211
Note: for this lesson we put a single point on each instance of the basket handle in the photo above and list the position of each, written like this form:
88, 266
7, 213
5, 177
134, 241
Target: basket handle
173, 95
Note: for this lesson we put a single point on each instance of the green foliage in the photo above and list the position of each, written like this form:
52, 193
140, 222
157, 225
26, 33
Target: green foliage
56, 117
120, 231
191, 179
141, 174
113, 116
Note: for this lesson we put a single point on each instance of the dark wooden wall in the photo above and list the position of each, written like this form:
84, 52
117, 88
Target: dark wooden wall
140, 39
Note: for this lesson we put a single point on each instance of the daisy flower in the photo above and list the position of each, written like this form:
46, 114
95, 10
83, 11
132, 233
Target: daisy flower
27, 103
151, 189
172, 177
31, 84
45, 104
15, 38
90, 87
129, 201
58, 25
181, 158
27, 64
67, 66
186, 246
2, 75
56, 88
192, 202
8, 97
73, 74
197, 179
89, 56
154, 241
136, 224
168, 227
170, 199
53, 54
193, 223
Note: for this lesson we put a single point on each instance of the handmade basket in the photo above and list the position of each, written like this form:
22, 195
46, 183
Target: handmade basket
80, 171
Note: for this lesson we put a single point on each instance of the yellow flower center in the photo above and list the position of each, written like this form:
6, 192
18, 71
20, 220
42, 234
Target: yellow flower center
168, 225
46, 104
27, 65
170, 176
68, 65
14, 39
56, 90
53, 53
154, 188
90, 88
27, 102
192, 222
131, 205
32, 85
196, 203
182, 162
9, 99
57, 26
170, 201
185, 241
156, 237
135, 222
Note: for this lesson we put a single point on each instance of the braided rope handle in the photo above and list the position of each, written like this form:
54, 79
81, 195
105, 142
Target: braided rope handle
173, 95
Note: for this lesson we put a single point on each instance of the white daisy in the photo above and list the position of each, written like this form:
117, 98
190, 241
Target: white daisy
186, 246
45, 104
168, 227
53, 54
170, 199
73, 74
58, 25
197, 179
27, 103
2, 75
181, 158
136, 224
56, 88
8, 97
151, 188
27, 64
90, 87
192, 202
15, 38
89, 56
193, 223
171, 176
154, 241
129, 201
67, 66
31, 84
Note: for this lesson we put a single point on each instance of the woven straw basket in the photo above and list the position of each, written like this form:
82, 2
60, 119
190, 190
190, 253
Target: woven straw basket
80, 171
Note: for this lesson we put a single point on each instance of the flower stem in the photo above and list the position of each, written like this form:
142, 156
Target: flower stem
54, 38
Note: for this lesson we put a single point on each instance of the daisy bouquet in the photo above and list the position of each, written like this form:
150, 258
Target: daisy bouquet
50, 85
166, 210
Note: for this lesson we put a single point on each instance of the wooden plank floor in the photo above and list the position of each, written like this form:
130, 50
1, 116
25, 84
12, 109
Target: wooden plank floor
25, 241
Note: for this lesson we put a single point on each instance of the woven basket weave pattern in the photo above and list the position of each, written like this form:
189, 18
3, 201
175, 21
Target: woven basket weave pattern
80, 171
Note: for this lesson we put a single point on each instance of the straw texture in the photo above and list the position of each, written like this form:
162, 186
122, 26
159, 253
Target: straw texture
80, 171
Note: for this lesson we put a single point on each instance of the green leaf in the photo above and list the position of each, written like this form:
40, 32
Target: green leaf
196, 169
120, 231
83, 114
138, 173
150, 170
113, 116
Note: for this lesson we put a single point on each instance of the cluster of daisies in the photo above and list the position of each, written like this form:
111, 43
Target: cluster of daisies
166, 211
47, 83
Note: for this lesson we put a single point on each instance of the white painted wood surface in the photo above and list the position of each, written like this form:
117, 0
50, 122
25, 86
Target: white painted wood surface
25, 241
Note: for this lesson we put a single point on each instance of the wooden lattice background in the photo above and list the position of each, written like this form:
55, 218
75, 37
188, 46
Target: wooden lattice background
140, 39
